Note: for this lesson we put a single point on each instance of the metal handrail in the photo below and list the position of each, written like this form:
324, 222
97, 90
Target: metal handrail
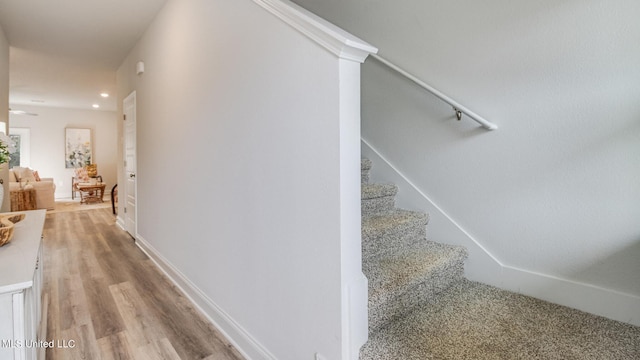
457, 107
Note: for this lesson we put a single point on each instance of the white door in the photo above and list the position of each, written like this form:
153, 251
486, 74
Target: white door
129, 106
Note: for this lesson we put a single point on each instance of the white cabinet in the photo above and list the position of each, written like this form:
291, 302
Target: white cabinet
21, 290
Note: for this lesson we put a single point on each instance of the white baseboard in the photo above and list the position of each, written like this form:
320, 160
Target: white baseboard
120, 222
234, 333
586, 297
484, 267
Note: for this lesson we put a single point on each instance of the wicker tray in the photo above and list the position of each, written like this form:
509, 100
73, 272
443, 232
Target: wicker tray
6, 227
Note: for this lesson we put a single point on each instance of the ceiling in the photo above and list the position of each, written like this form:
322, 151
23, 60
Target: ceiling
64, 53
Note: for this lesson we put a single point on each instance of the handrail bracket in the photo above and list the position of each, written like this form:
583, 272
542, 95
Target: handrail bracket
458, 113
458, 108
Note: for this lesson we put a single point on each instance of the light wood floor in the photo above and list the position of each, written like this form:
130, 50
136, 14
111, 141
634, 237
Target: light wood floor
112, 301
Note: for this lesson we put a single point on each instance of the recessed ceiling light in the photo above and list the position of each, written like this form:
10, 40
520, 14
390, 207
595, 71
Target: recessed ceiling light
95, 106
21, 112
37, 101
104, 94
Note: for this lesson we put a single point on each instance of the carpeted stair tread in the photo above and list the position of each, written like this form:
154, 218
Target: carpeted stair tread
398, 217
404, 280
475, 321
388, 232
374, 191
403, 270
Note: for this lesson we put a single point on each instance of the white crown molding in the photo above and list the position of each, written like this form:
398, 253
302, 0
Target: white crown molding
337, 41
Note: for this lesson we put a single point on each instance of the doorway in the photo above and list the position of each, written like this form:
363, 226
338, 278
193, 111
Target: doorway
130, 188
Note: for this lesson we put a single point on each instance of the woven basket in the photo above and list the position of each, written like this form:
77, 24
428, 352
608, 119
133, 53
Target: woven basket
6, 227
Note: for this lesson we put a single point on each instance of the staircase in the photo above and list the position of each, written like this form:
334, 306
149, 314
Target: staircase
404, 269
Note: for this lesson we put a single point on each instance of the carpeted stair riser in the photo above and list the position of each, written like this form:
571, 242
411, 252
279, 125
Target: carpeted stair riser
388, 233
364, 177
377, 205
402, 281
365, 167
378, 198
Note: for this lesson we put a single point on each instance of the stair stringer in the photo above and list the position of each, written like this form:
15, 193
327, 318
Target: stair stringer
484, 267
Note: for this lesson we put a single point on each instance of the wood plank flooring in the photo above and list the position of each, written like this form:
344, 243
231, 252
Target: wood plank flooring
108, 299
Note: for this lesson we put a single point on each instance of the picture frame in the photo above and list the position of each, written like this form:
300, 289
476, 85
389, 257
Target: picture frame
21, 138
78, 148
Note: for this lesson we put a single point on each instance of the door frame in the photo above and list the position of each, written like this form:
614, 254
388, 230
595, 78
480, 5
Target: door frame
125, 198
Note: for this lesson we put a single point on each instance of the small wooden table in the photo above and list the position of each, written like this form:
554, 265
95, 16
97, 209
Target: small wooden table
90, 192
23, 200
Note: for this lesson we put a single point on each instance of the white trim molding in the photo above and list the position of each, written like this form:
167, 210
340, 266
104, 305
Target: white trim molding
586, 297
243, 341
337, 41
120, 222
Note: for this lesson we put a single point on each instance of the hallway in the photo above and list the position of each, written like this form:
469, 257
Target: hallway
107, 300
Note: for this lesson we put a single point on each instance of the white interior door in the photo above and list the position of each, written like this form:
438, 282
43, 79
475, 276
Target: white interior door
129, 106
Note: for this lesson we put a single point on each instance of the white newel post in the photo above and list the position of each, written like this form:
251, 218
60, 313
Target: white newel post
350, 53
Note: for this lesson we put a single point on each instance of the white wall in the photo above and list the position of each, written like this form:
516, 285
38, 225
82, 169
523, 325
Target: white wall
553, 194
47, 134
4, 110
242, 182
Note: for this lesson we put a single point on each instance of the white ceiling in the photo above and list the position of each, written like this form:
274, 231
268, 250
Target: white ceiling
66, 52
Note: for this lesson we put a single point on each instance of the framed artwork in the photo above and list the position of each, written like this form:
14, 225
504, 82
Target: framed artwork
77, 147
21, 138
